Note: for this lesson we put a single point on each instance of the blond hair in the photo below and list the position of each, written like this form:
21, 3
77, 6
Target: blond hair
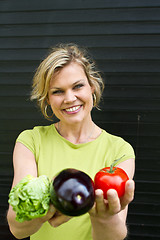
59, 57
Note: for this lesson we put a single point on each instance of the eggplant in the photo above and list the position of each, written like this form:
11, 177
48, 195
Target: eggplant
72, 192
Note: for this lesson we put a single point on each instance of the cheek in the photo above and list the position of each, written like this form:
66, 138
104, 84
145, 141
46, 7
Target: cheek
87, 95
55, 102
86, 98
90, 98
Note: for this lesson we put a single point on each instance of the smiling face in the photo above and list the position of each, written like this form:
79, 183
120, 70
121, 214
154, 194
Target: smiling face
70, 94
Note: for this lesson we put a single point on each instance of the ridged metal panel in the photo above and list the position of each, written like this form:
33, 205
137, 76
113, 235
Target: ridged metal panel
124, 39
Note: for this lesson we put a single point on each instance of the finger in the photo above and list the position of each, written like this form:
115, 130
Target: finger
58, 219
113, 202
100, 205
50, 213
52, 209
92, 211
129, 193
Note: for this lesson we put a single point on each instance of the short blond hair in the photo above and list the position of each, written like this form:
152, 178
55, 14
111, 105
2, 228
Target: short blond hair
59, 57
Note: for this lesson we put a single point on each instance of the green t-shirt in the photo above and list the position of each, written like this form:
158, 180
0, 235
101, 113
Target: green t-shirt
54, 153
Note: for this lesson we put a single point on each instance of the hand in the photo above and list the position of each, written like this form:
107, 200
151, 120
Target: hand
104, 209
129, 194
56, 218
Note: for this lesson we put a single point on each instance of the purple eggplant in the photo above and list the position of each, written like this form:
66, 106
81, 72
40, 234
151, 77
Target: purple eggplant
72, 192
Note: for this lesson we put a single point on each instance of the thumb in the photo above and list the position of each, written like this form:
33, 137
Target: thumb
129, 193
50, 213
51, 210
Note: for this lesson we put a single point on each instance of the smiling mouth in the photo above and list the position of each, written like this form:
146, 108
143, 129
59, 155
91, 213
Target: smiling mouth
72, 109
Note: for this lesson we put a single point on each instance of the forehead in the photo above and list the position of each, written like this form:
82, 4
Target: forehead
70, 73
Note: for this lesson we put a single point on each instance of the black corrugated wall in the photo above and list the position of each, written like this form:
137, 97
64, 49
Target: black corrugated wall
124, 38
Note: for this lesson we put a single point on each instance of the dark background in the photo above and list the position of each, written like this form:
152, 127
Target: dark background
124, 38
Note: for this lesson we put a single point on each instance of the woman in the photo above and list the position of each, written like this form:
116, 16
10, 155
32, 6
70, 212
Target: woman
68, 85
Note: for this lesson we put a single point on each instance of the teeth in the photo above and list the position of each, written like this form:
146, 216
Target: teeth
72, 109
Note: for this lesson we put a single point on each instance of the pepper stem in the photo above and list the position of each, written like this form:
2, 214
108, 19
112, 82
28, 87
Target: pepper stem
114, 163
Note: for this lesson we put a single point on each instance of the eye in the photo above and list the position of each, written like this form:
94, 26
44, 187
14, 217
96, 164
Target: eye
80, 85
57, 92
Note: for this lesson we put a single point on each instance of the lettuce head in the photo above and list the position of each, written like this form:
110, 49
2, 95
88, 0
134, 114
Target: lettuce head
30, 198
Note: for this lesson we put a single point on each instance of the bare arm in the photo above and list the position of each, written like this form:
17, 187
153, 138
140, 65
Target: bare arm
24, 163
108, 218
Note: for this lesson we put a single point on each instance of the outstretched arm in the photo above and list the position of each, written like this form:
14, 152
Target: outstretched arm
24, 163
108, 217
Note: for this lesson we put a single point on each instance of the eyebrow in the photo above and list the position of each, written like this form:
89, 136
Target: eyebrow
78, 81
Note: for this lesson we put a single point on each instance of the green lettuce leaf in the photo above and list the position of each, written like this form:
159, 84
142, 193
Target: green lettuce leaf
30, 198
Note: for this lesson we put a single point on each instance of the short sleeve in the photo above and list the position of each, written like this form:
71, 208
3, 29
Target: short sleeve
123, 150
27, 138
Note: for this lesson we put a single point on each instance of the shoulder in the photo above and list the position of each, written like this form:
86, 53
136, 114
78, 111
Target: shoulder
37, 130
34, 136
113, 139
119, 146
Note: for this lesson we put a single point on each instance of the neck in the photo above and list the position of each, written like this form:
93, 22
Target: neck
77, 134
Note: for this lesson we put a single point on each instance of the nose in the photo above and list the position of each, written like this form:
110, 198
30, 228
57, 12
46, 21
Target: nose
69, 97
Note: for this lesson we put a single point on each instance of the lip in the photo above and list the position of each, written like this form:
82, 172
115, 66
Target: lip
73, 109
